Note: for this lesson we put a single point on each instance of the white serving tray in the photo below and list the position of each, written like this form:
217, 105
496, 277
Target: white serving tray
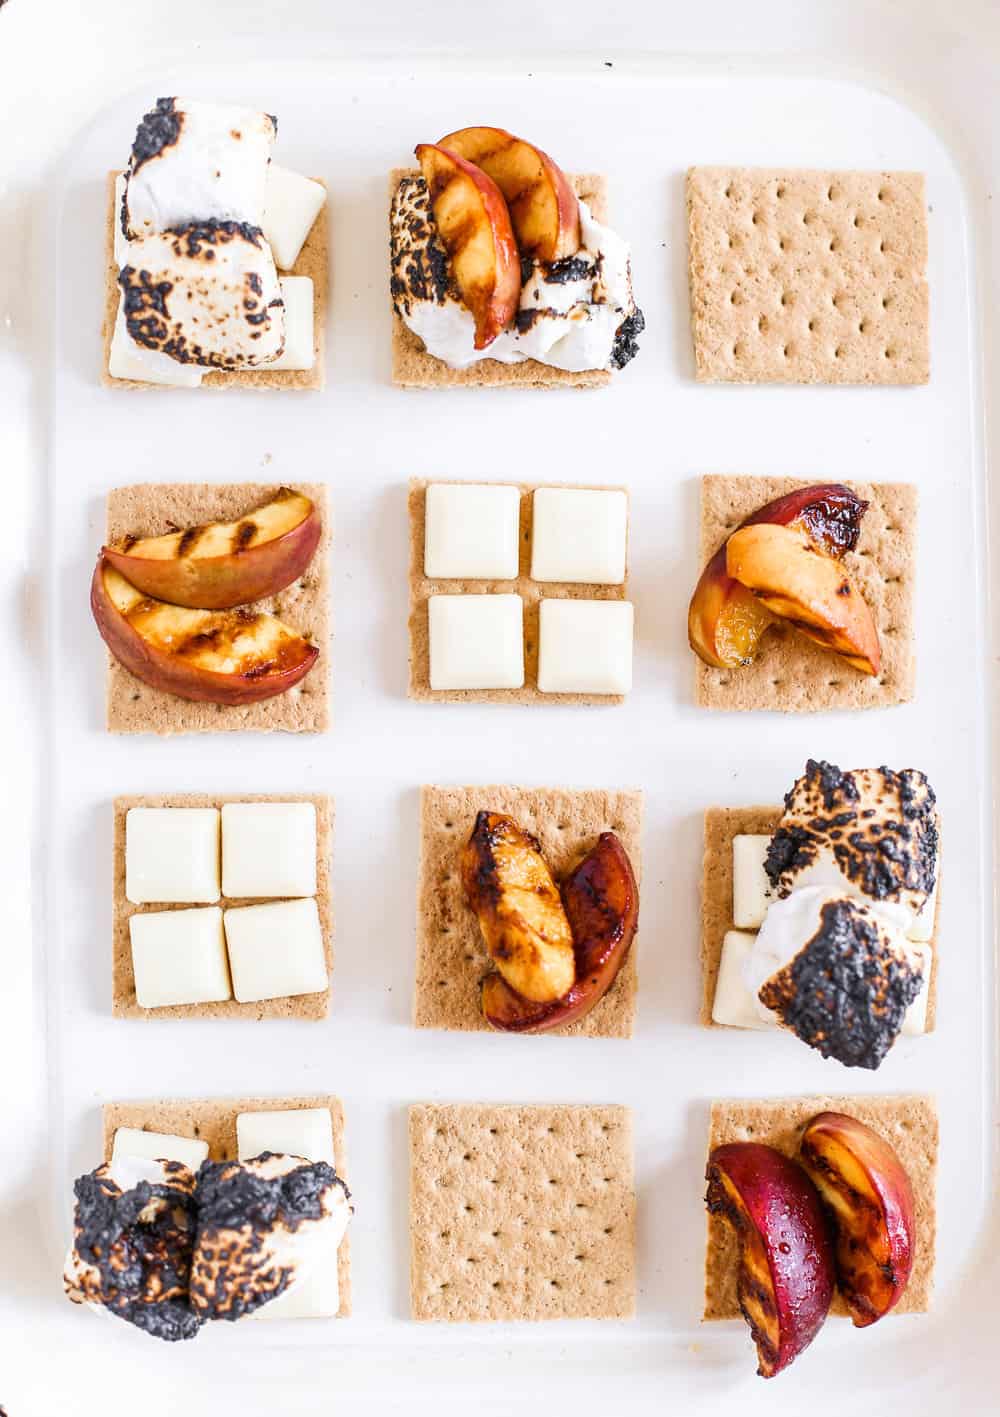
656, 430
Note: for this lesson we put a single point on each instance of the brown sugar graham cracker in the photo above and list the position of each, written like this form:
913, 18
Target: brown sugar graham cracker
152, 508
414, 368
721, 825
531, 592
313, 261
808, 277
299, 1006
521, 1213
451, 955
791, 673
908, 1123
213, 1120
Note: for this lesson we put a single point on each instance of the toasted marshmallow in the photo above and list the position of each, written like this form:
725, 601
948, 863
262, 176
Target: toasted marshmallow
197, 162
205, 295
129, 360
871, 833
835, 971
133, 1238
263, 1226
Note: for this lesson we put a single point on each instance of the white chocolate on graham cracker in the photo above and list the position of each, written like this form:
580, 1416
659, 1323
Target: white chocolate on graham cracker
791, 673
808, 277
521, 1213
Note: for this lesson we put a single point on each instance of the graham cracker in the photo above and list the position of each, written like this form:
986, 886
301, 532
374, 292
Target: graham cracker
721, 825
152, 508
521, 1213
804, 277
531, 592
908, 1122
123, 1000
451, 955
791, 673
414, 368
213, 1120
313, 261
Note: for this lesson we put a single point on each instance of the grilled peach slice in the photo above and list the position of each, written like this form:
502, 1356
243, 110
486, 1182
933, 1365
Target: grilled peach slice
544, 209
786, 1274
510, 887
795, 580
869, 1198
474, 226
726, 622
601, 900
216, 656
223, 564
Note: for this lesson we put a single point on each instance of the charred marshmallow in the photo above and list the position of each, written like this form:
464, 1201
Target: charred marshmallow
268, 849
205, 294
179, 957
579, 535
172, 855
133, 1143
128, 360
476, 641
276, 950
585, 646
471, 532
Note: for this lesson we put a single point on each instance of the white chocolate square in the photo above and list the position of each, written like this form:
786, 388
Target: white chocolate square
734, 1006
915, 1020
127, 360
179, 957
276, 950
300, 350
471, 532
476, 641
268, 849
922, 929
579, 535
291, 205
158, 1146
172, 855
752, 892
585, 646
300, 1131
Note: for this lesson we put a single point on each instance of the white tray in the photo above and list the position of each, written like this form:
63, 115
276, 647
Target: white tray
656, 430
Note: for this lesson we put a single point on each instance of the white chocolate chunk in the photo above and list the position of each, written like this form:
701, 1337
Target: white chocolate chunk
158, 1146
915, 1021
471, 532
476, 641
579, 535
922, 928
585, 647
268, 849
129, 360
172, 855
299, 1131
291, 205
276, 950
733, 1005
179, 957
752, 892
300, 348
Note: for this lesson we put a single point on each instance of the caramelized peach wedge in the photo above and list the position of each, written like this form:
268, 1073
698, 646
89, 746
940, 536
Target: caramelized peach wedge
784, 563
557, 952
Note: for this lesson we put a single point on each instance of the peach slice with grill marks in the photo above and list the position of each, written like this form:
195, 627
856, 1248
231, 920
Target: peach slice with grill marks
601, 900
786, 1274
869, 1199
216, 656
475, 229
222, 564
544, 209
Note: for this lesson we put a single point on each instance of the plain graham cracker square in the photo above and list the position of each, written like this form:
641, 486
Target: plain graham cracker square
791, 673
805, 277
721, 825
531, 592
123, 1000
909, 1123
213, 1120
451, 955
523, 1213
153, 508
314, 261
414, 368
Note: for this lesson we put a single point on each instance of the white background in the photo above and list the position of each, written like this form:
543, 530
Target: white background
366, 439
